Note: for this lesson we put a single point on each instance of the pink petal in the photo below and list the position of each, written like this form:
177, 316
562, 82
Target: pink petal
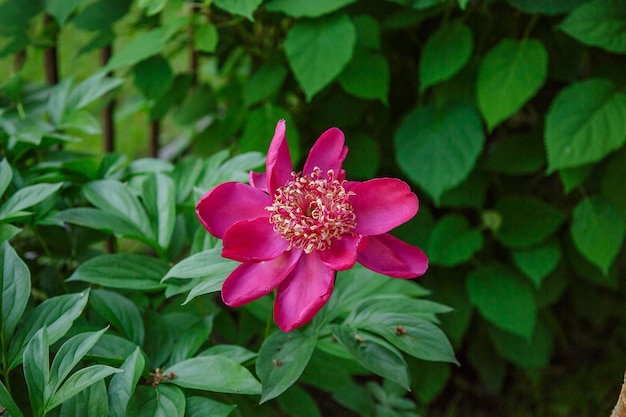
279, 164
303, 293
229, 203
382, 204
253, 240
390, 256
342, 253
250, 281
327, 153
258, 180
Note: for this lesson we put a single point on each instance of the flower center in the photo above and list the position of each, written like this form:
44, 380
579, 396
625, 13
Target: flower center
310, 211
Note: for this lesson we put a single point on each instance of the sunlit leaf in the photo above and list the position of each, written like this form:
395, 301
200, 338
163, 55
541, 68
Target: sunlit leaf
600, 23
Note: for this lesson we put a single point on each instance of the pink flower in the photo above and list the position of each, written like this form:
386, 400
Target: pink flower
292, 231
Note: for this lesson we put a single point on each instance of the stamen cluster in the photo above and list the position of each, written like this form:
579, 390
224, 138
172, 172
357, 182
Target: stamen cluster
312, 210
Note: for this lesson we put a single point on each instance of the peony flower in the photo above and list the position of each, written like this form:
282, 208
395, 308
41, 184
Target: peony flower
292, 231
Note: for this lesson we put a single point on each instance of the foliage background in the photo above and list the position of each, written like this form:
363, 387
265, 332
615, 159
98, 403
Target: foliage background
507, 117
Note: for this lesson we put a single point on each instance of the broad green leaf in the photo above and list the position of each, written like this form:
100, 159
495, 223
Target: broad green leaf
305, 8
504, 298
374, 354
91, 89
526, 221
164, 400
394, 303
265, 81
214, 373
153, 77
598, 231
452, 241
206, 264
82, 121
206, 286
432, 378
68, 356
189, 332
104, 221
366, 75
600, 23
142, 46
62, 9
152, 7
122, 385
100, 15
206, 37
15, 280
259, 130
282, 358
57, 314
202, 407
319, 49
27, 197
368, 32
510, 75
122, 313
112, 349
113, 197
584, 123
413, 335
235, 353
437, 148
8, 403
57, 101
36, 370
532, 353
549, 7
298, 403
91, 402
6, 175
129, 271
159, 197
243, 8
446, 51
78, 381
519, 154
538, 262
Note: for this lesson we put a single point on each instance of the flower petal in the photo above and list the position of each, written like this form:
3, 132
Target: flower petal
342, 252
250, 281
258, 180
278, 166
327, 153
390, 256
253, 240
229, 203
303, 293
382, 204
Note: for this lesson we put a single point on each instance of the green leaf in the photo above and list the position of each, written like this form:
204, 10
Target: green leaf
598, 231
122, 385
264, 83
57, 314
27, 197
206, 37
509, 75
282, 359
189, 332
142, 46
164, 400
318, 50
68, 356
15, 280
206, 264
214, 373
91, 89
366, 75
600, 23
437, 148
526, 221
8, 403
415, 336
394, 303
243, 8
129, 271
549, 7
104, 221
91, 402
363, 160
100, 15
78, 381
538, 262
446, 51
152, 7
235, 353
122, 313
113, 197
259, 130
153, 77
82, 121
584, 123
613, 185
202, 407
62, 9
374, 354
159, 197
36, 372
112, 349
452, 241
298, 403
6, 175
518, 154
305, 8
531, 353
504, 298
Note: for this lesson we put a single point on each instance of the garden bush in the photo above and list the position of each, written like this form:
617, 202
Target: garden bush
506, 117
